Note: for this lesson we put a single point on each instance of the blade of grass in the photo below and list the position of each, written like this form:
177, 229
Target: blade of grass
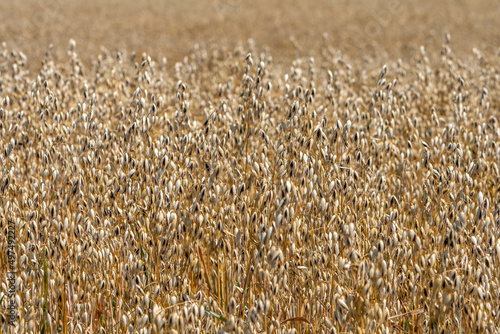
215, 315
64, 315
414, 312
299, 319
247, 283
45, 291
205, 269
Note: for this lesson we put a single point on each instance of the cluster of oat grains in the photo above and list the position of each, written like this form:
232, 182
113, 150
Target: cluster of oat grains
227, 194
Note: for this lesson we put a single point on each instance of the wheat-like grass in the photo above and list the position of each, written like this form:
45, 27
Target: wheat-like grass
225, 193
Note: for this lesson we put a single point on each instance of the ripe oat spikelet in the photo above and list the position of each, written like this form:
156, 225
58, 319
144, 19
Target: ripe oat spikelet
230, 193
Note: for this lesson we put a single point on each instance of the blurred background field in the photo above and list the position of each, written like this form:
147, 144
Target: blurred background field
362, 30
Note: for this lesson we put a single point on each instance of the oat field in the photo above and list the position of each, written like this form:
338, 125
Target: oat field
264, 167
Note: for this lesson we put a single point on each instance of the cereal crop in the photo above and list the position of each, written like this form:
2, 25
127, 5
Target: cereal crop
228, 193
